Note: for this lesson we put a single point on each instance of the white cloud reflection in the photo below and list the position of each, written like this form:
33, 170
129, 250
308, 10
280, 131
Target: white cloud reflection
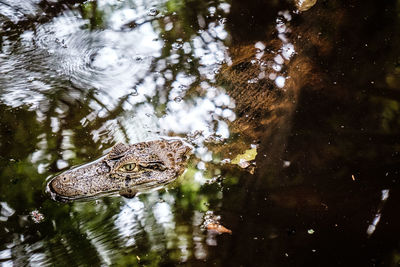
129, 220
274, 69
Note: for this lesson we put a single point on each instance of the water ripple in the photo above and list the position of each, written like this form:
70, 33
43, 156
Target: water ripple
96, 59
64, 50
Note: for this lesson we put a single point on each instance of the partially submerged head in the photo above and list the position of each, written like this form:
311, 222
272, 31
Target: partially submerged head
126, 169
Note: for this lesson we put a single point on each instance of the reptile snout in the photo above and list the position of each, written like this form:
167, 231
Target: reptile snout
58, 183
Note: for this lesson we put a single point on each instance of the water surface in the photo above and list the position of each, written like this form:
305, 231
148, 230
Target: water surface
293, 111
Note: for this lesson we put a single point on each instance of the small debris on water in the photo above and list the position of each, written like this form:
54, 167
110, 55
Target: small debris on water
251, 169
220, 229
243, 163
352, 177
310, 231
225, 161
212, 224
36, 216
286, 163
216, 179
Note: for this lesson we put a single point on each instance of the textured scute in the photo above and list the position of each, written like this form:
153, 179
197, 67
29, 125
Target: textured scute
118, 151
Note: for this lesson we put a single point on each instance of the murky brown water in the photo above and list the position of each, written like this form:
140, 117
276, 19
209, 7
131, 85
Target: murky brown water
293, 111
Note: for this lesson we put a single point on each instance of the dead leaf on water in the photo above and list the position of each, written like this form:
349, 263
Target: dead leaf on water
304, 5
211, 223
218, 228
244, 160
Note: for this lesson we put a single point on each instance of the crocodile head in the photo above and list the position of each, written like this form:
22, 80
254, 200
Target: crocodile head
127, 169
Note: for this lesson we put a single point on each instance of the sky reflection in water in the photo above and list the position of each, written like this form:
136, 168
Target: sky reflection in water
81, 77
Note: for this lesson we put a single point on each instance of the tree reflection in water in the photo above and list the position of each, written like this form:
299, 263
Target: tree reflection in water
80, 76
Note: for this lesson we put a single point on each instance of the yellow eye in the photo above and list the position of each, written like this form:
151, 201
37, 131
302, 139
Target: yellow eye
129, 167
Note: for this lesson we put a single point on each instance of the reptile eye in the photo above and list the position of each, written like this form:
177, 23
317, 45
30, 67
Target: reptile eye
129, 167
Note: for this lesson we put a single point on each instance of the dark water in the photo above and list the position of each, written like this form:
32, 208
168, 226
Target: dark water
294, 115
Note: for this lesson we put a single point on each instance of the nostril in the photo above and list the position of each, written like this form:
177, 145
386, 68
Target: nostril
64, 178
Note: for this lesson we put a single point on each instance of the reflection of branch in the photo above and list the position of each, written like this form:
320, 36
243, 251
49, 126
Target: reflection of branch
132, 24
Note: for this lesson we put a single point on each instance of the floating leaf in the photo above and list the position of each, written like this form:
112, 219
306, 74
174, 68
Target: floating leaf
243, 160
304, 5
218, 228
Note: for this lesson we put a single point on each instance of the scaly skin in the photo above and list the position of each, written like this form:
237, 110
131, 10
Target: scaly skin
127, 169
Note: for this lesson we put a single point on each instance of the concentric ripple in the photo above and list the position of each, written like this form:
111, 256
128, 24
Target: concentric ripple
64, 49
97, 62
98, 59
